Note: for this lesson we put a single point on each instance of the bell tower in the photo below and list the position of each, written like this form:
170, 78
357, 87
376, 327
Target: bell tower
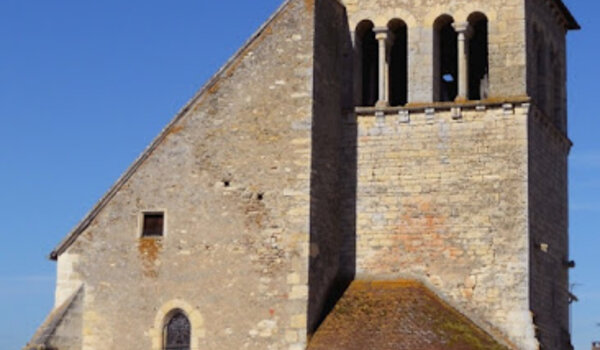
462, 146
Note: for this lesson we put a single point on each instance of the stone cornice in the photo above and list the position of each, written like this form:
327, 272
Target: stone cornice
441, 106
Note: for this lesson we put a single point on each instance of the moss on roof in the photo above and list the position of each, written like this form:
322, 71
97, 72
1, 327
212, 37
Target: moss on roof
397, 315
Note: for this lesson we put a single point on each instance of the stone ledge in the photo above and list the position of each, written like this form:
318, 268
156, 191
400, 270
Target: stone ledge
421, 107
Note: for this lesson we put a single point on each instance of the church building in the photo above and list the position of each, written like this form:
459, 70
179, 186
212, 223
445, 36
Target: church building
360, 175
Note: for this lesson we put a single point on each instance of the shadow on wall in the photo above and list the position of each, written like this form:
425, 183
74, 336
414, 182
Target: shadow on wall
333, 168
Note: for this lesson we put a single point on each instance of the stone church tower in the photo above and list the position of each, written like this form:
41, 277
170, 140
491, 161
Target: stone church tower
362, 174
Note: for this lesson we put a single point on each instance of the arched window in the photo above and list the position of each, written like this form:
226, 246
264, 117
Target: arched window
398, 63
367, 57
176, 332
478, 57
445, 59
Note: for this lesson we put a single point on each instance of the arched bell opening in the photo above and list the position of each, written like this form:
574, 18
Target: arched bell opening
366, 48
445, 52
478, 57
398, 63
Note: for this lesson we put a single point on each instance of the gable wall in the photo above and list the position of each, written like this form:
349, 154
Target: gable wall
240, 263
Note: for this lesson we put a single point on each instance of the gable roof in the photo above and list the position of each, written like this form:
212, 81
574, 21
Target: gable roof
397, 315
101, 204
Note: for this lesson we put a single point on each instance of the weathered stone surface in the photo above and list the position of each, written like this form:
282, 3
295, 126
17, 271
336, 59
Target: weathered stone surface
507, 38
548, 225
228, 248
277, 192
446, 201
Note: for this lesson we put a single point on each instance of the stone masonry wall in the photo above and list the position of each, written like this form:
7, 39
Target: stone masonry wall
233, 178
442, 197
548, 196
542, 17
507, 56
548, 152
68, 279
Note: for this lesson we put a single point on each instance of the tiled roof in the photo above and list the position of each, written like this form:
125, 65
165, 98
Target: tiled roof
397, 315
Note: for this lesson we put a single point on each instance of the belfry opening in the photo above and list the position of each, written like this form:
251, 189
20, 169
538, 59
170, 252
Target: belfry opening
398, 63
478, 57
367, 56
445, 60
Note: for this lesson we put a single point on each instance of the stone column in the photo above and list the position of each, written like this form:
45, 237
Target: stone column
464, 33
388, 62
381, 34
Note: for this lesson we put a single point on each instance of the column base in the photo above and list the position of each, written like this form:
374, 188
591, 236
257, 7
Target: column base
382, 104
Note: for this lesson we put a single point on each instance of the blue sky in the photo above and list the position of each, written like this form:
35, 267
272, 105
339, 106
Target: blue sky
86, 85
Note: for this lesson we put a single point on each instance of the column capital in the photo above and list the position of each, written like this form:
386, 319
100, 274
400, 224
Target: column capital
463, 28
381, 33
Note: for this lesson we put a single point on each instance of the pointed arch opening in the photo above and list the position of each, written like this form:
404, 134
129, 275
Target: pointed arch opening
367, 57
398, 62
177, 331
478, 57
445, 58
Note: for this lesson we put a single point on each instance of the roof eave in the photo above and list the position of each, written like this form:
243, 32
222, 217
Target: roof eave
571, 22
